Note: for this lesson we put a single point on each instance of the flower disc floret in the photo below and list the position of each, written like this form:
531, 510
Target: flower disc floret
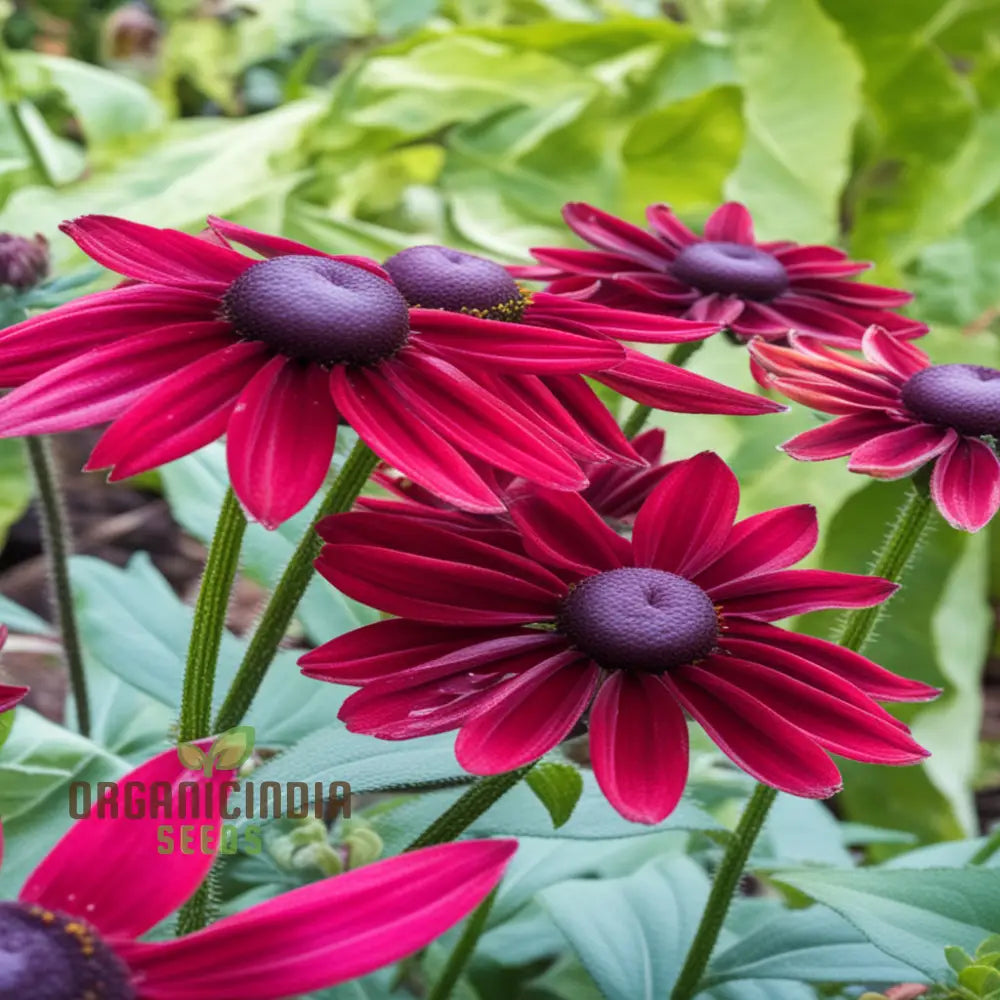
436, 277
964, 397
731, 269
50, 956
640, 619
316, 309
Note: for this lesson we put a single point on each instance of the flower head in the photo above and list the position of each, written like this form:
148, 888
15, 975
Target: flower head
24, 261
205, 340
725, 276
73, 930
895, 412
459, 282
514, 647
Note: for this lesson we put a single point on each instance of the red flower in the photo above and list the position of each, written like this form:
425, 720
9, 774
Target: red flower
462, 283
513, 648
206, 341
616, 492
896, 412
724, 277
73, 930
10, 694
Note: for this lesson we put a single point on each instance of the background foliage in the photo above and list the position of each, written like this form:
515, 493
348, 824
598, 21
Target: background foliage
363, 126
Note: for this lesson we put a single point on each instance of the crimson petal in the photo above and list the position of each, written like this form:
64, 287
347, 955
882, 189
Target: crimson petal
839, 437
901, 452
730, 223
965, 484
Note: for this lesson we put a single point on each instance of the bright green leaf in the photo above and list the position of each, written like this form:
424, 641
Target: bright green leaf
558, 787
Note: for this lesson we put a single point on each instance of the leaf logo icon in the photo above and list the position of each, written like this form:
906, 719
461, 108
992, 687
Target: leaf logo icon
229, 751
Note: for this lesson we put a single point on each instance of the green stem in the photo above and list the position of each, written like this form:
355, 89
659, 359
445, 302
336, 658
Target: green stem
210, 621
58, 545
897, 550
462, 814
636, 420
278, 614
463, 950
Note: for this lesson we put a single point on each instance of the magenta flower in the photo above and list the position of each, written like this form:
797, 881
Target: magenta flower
205, 340
10, 694
462, 283
724, 277
514, 648
616, 492
895, 413
73, 931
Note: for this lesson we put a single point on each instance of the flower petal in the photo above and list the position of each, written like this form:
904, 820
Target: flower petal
770, 596
839, 437
902, 359
662, 219
527, 716
965, 484
608, 232
774, 539
900, 453
730, 223
754, 736
327, 932
160, 256
639, 746
684, 525
108, 868
179, 415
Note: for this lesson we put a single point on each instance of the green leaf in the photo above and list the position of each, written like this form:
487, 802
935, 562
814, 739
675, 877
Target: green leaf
6, 725
911, 915
15, 494
683, 152
802, 99
19, 619
558, 787
815, 945
632, 933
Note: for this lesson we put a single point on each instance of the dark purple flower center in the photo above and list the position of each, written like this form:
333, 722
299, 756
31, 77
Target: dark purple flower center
640, 619
965, 397
432, 277
318, 309
730, 268
51, 956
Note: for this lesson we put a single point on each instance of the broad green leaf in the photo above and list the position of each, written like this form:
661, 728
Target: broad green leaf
632, 933
19, 619
802, 99
909, 914
814, 945
15, 492
558, 787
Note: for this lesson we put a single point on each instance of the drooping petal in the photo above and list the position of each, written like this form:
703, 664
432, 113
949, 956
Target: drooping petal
384, 422
434, 575
664, 222
179, 415
668, 387
839, 437
608, 232
730, 223
526, 717
39, 344
103, 383
725, 310
834, 723
770, 596
772, 540
875, 681
160, 256
684, 525
110, 869
280, 439
639, 746
327, 932
754, 736
965, 484
853, 292
892, 355
563, 530
900, 453
515, 347
478, 423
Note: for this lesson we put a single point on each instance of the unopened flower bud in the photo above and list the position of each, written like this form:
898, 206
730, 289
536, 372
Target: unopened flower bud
364, 846
24, 261
132, 32
322, 856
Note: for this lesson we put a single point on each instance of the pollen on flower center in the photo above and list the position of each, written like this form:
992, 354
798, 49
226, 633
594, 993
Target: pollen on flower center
433, 277
318, 309
640, 619
730, 268
965, 397
51, 956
